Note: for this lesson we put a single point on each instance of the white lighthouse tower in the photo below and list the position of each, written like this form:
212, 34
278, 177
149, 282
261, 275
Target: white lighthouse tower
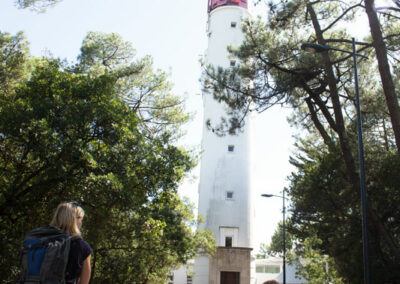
225, 195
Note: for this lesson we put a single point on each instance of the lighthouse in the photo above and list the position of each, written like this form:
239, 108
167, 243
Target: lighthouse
225, 191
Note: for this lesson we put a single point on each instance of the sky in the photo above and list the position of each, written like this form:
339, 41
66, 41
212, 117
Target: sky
174, 34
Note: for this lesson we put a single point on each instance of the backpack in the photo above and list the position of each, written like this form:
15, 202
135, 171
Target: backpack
45, 255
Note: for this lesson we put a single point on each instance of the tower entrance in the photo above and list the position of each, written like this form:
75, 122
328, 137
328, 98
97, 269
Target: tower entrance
230, 265
229, 277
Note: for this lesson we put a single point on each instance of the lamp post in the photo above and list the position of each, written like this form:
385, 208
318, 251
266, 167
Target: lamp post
312, 47
283, 229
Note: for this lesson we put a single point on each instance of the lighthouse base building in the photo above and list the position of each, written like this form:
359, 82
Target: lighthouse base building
269, 268
230, 265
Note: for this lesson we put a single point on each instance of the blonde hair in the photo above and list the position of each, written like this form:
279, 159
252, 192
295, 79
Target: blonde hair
65, 217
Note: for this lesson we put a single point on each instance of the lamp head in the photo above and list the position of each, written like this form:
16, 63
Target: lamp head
313, 47
266, 195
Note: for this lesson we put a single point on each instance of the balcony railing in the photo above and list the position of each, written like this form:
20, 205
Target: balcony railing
212, 4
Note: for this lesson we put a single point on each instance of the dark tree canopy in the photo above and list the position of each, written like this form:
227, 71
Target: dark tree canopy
69, 134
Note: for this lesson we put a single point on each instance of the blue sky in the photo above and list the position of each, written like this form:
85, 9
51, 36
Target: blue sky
174, 34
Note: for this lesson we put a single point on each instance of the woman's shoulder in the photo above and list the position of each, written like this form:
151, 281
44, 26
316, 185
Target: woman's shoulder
81, 245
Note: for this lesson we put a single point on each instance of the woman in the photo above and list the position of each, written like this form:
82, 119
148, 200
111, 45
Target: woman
68, 217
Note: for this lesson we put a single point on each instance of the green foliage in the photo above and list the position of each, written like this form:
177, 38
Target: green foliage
148, 92
69, 134
13, 57
324, 204
314, 266
107, 51
273, 70
276, 245
36, 5
311, 263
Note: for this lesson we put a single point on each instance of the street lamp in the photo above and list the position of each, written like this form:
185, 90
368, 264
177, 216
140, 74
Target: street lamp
312, 47
283, 229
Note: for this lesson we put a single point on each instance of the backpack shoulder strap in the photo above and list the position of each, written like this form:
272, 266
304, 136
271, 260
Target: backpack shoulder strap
56, 259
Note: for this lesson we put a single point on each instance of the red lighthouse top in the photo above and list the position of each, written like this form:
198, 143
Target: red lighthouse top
212, 4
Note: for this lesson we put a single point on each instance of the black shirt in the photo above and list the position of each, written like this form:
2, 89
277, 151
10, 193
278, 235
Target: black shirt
79, 251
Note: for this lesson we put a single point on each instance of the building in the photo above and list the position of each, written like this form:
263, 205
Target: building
225, 193
182, 275
269, 268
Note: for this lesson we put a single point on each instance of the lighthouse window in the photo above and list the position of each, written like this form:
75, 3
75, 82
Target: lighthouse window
231, 148
228, 242
233, 63
229, 195
233, 24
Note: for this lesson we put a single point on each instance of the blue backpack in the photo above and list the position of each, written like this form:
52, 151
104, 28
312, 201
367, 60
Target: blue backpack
45, 256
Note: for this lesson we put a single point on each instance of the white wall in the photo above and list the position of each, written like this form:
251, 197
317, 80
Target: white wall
222, 171
180, 275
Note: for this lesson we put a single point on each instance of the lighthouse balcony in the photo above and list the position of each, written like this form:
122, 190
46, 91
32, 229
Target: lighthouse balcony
213, 4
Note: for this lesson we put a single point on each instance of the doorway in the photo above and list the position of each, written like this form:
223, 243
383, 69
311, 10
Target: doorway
229, 277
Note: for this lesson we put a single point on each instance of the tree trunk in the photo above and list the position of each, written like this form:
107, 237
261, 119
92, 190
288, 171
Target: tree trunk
384, 70
384, 234
340, 128
93, 266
